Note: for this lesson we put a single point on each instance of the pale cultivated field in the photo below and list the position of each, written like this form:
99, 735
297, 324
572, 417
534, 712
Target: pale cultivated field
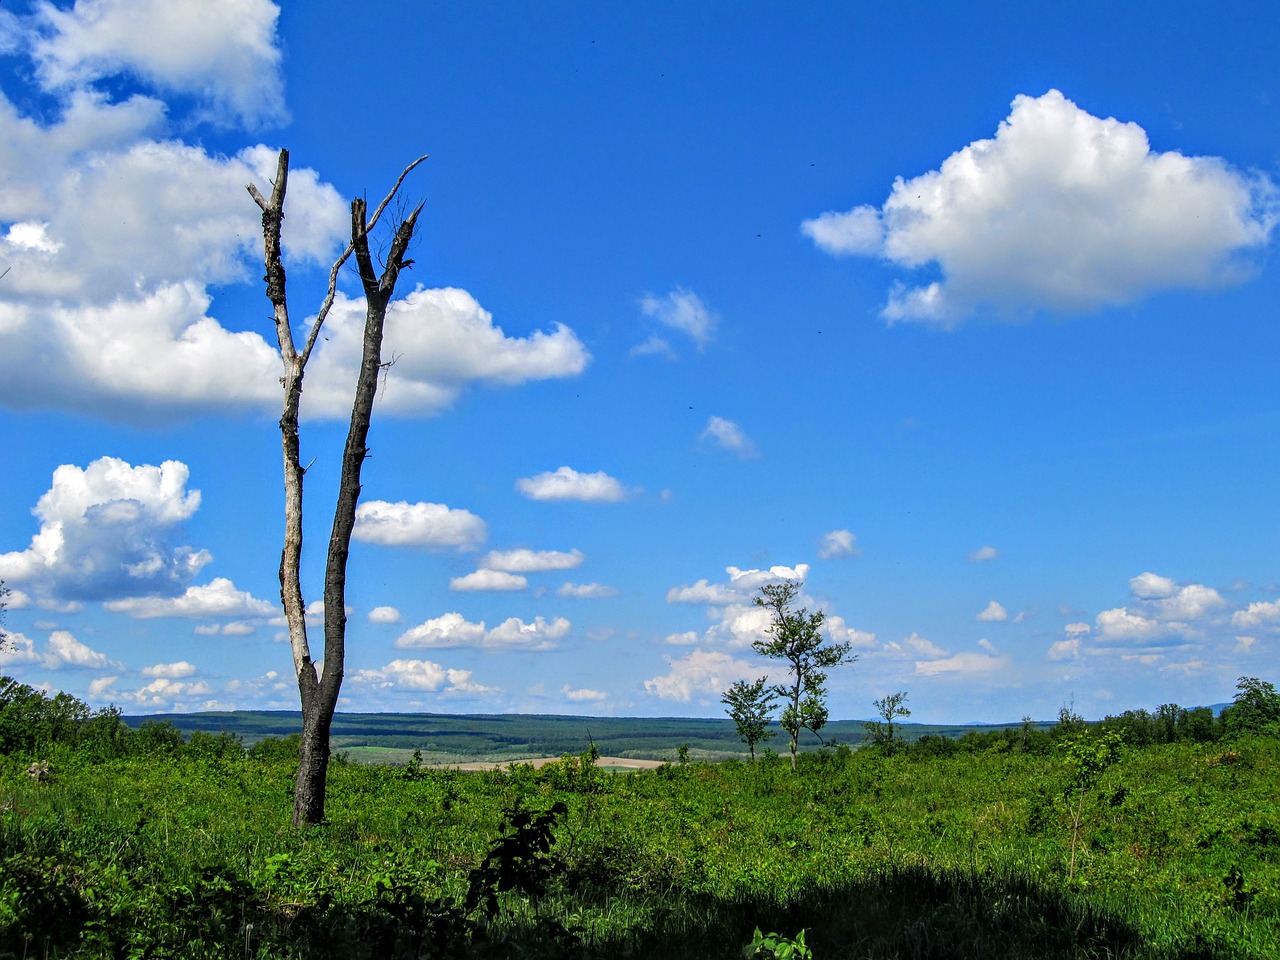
615, 763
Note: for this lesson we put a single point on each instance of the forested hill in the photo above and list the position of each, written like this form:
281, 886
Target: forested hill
393, 737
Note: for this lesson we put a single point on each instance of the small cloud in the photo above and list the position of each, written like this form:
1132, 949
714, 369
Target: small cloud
172, 671
682, 310
1067, 649
586, 591
993, 613
566, 483
488, 580
655, 346
960, 663
727, 435
384, 615
838, 543
583, 695
984, 554
531, 561
1152, 586
428, 525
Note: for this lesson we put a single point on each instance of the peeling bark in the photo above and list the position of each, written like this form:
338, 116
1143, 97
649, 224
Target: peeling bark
318, 689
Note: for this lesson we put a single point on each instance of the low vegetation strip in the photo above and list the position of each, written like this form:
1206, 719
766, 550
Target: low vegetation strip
1074, 842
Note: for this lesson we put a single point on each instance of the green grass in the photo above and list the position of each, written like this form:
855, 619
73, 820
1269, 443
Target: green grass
877, 856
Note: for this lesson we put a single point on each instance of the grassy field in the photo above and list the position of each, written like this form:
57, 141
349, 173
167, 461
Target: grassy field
873, 854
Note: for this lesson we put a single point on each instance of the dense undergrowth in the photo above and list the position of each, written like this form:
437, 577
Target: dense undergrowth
186, 852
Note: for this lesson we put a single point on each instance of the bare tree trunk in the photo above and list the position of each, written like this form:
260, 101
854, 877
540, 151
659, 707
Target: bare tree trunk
318, 691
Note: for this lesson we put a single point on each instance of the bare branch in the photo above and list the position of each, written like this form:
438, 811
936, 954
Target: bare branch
337, 264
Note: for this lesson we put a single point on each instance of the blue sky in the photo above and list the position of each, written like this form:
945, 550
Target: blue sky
964, 314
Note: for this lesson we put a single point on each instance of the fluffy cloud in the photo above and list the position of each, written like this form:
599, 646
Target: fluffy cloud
441, 341
107, 531
913, 646
742, 583
566, 483
448, 630
531, 561
993, 612
218, 598
384, 615
586, 591
222, 51
684, 311
727, 435
838, 543
1060, 211
64, 650
167, 694
422, 675
1257, 614
113, 233
1152, 586
171, 671
583, 695
703, 674
540, 634
17, 648
1121, 625
432, 525
839, 631
488, 580
453, 630
1067, 649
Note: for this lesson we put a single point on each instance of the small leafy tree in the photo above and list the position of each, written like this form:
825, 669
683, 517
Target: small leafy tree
1256, 708
1087, 759
880, 732
750, 705
795, 636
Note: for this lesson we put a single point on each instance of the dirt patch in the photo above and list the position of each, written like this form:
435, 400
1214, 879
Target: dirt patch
605, 763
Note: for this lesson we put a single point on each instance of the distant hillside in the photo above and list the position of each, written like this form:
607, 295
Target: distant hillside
447, 738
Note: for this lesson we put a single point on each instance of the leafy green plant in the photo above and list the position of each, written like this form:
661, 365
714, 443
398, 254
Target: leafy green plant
750, 706
774, 946
795, 636
1087, 758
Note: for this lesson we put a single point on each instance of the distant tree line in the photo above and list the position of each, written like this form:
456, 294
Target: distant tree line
1255, 710
34, 724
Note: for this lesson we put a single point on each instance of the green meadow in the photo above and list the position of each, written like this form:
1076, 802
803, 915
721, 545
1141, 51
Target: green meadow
1133, 838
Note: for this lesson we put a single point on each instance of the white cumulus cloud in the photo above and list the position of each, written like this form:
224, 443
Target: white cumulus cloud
453, 630
173, 671
531, 561
480, 580
993, 612
703, 674
1060, 211
583, 694
586, 591
218, 598
107, 530
727, 435
838, 543
384, 615
431, 525
222, 51
565, 483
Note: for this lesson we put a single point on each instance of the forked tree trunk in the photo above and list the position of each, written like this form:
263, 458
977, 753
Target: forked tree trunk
318, 688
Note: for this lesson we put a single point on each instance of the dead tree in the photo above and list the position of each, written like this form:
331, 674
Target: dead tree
318, 686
